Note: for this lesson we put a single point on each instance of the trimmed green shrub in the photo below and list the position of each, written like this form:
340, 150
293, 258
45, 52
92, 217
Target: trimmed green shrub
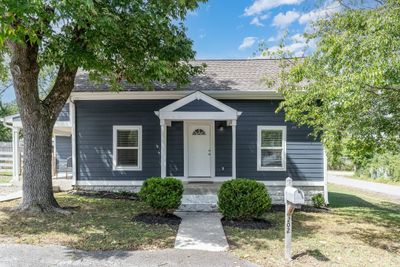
243, 199
163, 195
318, 200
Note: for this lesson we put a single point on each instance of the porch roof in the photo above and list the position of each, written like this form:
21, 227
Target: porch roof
219, 111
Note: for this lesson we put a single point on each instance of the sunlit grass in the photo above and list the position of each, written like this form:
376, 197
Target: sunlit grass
98, 224
361, 230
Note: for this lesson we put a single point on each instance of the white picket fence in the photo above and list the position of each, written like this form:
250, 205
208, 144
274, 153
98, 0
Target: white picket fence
6, 159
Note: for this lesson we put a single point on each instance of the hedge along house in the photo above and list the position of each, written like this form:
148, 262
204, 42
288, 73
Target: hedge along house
221, 126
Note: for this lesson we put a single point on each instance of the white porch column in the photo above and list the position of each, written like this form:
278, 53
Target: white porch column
72, 119
233, 124
16, 155
163, 148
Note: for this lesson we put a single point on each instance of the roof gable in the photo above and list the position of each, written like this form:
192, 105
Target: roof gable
217, 109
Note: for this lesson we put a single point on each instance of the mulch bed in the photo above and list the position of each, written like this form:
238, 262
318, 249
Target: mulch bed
304, 208
111, 195
150, 218
247, 224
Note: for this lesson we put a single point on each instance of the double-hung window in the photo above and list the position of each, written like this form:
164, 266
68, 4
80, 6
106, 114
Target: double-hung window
271, 148
127, 148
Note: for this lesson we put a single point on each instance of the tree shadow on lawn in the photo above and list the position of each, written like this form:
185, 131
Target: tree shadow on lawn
99, 225
258, 238
368, 216
354, 208
315, 253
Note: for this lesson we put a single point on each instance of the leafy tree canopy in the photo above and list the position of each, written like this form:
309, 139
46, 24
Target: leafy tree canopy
348, 89
139, 40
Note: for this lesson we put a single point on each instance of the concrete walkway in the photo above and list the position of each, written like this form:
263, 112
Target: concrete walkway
29, 255
201, 231
340, 179
11, 196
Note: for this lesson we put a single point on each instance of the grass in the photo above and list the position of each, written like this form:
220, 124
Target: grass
375, 180
99, 224
361, 230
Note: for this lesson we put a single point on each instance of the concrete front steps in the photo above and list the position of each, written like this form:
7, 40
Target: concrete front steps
199, 203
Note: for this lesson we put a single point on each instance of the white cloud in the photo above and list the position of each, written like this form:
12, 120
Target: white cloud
318, 13
298, 38
259, 6
247, 42
283, 20
271, 39
257, 20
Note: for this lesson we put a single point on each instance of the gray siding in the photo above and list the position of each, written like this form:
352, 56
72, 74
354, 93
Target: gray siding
64, 113
223, 149
94, 127
94, 141
175, 163
304, 155
198, 105
63, 152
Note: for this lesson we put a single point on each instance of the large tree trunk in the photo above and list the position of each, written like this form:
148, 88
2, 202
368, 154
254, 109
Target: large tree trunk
38, 118
37, 185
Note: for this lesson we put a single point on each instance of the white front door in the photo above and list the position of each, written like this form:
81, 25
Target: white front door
199, 149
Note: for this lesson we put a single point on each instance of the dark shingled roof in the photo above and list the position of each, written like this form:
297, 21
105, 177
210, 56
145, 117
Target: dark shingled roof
224, 75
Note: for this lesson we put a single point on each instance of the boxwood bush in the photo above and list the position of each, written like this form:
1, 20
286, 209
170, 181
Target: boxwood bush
243, 199
318, 200
163, 195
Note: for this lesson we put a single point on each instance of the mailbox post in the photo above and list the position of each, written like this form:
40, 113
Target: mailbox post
294, 198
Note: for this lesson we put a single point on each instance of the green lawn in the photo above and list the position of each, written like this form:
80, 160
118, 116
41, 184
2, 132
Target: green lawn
99, 224
362, 230
377, 180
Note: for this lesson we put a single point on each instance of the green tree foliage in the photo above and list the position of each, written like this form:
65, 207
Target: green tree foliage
140, 41
348, 89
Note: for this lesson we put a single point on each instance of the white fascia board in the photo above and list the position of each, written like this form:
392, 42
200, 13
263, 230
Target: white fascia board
147, 95
181, 115
198, 95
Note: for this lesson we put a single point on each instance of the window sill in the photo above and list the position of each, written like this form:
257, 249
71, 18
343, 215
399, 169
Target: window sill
127, 169
269, 169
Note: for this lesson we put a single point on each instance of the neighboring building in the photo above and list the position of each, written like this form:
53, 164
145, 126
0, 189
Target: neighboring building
221, 126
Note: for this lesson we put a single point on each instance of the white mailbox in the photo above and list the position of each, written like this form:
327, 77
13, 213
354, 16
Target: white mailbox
294, 195
294, 198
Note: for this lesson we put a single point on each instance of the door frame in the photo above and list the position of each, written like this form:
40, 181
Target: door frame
186, 149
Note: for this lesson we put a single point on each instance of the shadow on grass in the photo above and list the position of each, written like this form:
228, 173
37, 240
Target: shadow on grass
99, 225
258, 238
354, 209
386, 214
315, 253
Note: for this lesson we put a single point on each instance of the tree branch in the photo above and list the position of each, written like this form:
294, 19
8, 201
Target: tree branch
61, 90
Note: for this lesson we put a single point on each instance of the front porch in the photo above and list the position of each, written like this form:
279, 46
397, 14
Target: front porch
204, 122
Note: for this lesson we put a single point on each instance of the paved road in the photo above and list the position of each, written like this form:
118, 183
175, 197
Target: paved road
341, 179
29, 255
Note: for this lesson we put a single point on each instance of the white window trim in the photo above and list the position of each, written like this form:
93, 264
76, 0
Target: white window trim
127, 127
259, 129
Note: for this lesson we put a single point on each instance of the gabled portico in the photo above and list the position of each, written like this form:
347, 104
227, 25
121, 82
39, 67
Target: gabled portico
198, 112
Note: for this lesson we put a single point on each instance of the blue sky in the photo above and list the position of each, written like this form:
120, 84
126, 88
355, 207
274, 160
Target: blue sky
227, 29
233, 29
